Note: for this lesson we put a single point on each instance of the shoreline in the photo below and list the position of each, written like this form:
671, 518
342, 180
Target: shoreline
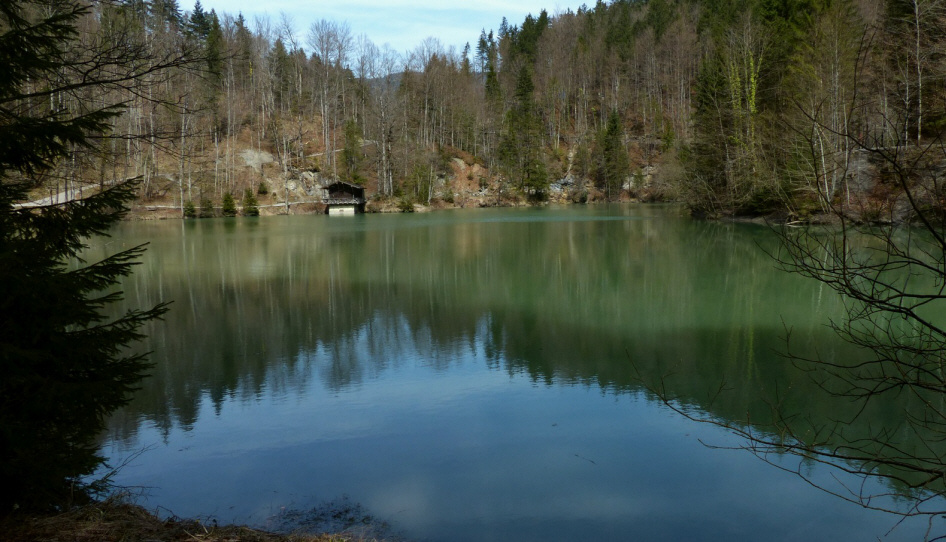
158, 211
117, 520
148, 212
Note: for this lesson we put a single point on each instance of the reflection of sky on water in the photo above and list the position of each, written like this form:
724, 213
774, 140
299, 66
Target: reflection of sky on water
466, 375
477, 454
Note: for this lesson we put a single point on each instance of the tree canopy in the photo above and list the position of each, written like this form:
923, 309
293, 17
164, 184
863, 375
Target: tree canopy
65, 362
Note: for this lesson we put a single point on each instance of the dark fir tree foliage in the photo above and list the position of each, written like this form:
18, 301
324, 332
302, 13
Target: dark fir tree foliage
30, 141
611, 163
229, 205
482, 52
466, 67
250, 205
166, 15
206, 208
524, 41
621, 28
581, 163
521, 150
243, 41
352, 155
282, 73
504, 28
492, 90
213, 51
65, 364
200, 22
660, 14
190, 211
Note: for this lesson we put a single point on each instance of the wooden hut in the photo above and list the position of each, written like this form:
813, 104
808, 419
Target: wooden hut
342, 198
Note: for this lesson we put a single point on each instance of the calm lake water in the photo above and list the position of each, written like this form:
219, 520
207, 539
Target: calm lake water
475, 375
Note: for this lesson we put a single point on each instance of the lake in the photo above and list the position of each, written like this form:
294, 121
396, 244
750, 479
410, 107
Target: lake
477, 375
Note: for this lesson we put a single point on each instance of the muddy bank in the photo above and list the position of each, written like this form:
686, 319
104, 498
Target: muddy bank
116, 520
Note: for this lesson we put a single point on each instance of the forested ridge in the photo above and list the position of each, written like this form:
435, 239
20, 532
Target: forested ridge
736, 107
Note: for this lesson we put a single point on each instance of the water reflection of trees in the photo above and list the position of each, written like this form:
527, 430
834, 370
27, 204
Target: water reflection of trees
267, 308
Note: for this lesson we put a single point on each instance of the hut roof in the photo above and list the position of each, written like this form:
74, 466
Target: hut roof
341, 185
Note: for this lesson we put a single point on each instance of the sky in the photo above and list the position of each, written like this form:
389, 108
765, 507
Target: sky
402, 24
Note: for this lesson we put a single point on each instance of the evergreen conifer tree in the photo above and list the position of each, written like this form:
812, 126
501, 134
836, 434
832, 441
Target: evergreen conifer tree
206, 208
200, 21
229, 205
63, 360
352, 153
482, 52
250, 205
521, 150
611, 163
214, 43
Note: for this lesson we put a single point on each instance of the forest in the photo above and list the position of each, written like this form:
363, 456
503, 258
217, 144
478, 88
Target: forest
793, 109
735, 107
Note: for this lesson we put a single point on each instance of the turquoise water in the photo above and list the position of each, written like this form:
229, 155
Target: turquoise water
478, 375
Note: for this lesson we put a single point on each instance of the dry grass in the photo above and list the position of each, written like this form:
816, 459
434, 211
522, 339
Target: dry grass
114, 520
